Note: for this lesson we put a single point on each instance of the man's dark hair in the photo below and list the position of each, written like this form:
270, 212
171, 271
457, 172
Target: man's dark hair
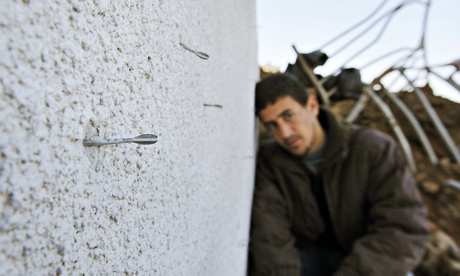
272, 88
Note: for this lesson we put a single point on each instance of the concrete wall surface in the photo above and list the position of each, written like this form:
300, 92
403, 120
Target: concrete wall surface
73, 70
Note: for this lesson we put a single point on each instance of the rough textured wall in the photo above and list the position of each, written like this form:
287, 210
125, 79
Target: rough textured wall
74, 70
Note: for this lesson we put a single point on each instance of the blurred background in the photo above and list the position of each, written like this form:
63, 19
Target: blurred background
376, 29
418, 37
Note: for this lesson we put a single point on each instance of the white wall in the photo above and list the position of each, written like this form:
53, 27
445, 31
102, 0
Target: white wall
74, 70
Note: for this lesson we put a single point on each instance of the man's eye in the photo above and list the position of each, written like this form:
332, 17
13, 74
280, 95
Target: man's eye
287, 116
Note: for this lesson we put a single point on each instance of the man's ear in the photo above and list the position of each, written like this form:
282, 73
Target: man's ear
313, 104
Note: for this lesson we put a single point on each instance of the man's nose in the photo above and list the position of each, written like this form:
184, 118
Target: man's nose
285, 130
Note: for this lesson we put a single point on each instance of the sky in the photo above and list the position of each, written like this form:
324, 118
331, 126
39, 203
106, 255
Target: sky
314, 25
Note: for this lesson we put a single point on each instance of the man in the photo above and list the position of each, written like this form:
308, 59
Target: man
329, 199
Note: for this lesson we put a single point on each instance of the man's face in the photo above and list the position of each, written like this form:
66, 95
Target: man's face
294, 126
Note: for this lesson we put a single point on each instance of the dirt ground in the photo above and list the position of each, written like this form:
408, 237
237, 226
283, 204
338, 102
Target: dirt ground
443, 204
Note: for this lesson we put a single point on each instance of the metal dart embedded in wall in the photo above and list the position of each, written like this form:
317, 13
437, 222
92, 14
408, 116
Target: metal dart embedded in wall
213, 105
199, 54
144, 139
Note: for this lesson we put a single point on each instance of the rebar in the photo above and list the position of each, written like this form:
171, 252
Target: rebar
394, 126
442, 131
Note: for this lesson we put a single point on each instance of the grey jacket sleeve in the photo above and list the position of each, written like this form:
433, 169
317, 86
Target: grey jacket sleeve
397, 230
272, 249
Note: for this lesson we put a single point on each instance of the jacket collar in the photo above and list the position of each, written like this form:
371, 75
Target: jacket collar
336, 136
